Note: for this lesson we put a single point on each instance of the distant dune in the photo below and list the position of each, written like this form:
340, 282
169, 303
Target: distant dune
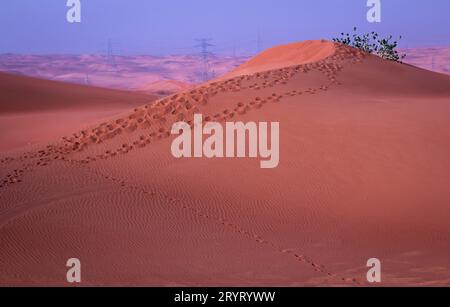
138, 72
118, 72
363, 173
33, 110
165, 87
432, 58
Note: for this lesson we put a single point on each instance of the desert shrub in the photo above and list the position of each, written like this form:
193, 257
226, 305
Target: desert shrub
372, 43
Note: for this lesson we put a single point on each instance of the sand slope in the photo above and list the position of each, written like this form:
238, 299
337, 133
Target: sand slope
34, 110
363, 173
284, 56
26, 94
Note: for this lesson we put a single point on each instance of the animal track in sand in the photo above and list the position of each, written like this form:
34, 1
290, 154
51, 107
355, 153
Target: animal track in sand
182, 106
16, 176
225, 223
156, 116
7, 160
99, 134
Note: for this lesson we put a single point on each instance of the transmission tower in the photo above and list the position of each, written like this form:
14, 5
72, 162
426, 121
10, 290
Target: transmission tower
258, 42
205, 54
110, 59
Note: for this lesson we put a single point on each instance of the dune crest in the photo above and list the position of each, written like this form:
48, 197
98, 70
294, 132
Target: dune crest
285, 55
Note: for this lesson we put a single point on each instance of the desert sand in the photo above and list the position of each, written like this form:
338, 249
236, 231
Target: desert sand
32, 110
165, 87
363, 173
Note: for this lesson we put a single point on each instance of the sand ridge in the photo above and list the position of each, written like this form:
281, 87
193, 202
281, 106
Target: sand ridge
34, 110
284, 56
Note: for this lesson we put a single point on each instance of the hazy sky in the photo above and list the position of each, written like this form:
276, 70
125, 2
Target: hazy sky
170, 26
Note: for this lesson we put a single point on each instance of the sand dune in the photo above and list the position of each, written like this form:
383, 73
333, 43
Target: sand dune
363, 173
165, 87
284, 56
34, 110
432, 58
120, 72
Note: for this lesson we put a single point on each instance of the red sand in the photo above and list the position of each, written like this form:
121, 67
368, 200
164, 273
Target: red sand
33, 110
284, 56
165, 87
363, 173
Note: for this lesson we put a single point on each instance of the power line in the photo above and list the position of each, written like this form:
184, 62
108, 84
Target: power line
110, 58
205, 54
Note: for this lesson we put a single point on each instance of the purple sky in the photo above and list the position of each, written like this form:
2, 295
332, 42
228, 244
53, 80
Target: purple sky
170, 26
